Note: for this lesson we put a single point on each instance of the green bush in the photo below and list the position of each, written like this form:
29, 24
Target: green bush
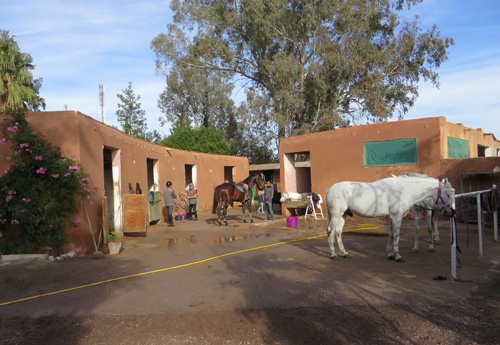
39, 192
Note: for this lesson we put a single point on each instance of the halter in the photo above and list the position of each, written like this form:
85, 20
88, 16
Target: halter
440, 198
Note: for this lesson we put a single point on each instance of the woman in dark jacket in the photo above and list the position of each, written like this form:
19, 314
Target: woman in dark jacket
268, 199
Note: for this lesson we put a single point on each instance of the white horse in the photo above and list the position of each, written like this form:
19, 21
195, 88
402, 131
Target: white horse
286, 195
429, 209
316, 198
391, 197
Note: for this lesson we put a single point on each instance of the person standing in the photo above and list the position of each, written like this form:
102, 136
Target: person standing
192, 196
268, 199
260, 198
169, 197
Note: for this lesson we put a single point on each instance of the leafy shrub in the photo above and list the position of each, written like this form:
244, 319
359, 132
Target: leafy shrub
39, 192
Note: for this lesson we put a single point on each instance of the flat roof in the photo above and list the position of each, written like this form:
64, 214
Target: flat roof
276, 166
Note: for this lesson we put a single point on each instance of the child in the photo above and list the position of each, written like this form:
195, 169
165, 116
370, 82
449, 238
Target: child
260, 198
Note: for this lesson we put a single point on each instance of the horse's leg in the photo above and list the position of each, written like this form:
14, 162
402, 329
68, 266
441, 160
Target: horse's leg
243, 206
225, 206
331, 239
338, 225
250, 210
396, 221
435, 216
390, 243
218, 213
338, 234
429, 218
416, 228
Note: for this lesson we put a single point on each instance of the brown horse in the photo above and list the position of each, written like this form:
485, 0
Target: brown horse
226, 193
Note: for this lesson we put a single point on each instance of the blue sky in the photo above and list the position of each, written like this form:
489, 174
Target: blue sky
77, 45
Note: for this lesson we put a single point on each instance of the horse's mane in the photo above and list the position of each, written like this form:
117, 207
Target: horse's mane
412, 174
250, 178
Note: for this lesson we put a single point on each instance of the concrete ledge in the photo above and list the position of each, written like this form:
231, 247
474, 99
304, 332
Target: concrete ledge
14, 257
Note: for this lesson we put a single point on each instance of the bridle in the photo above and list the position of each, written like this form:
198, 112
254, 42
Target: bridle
439, 198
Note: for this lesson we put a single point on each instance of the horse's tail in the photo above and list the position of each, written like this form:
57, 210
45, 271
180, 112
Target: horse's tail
328, 214
216, 199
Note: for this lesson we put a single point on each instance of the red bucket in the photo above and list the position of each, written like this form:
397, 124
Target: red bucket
292, 222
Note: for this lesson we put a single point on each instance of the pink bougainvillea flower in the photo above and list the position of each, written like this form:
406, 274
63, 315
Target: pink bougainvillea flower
27, 200
24, 145
62, 155
14, 221
85, 181
3, 221
9, 198
73, 167
3, 141
12, 129
77, 220
41, 171
66, 174
39, 158
55, 175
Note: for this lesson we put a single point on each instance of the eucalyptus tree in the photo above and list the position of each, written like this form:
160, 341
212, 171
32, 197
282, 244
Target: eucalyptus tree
320, 64
196, 97
18, 89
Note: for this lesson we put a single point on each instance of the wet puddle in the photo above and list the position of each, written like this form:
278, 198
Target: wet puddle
193, 239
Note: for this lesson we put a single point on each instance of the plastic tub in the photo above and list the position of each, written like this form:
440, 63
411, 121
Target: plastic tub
292, 222
183, 215
178, 217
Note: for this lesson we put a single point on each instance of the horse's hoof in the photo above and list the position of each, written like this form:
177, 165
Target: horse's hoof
251, 220
431, 250
391, 257
334, 257
347, 256
226, 224
400, 259
415, 250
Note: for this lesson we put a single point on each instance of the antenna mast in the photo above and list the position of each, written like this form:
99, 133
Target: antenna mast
101, 101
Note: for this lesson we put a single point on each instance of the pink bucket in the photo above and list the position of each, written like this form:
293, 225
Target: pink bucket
292, 222
183, 215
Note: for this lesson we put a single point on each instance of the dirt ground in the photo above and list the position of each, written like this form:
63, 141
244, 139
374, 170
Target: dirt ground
261, 283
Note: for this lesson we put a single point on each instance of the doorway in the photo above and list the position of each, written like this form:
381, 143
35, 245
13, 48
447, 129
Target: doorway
112, 191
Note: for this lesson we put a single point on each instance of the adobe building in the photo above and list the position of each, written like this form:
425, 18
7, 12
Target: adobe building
119, 165
314, 162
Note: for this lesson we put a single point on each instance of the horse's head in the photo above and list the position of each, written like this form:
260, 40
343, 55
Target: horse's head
284, 196
260, 181
445, 198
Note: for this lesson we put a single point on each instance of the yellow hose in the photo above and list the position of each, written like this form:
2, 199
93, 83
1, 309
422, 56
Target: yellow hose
368, 227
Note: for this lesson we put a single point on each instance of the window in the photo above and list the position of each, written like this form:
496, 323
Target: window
391, 152
458, 148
